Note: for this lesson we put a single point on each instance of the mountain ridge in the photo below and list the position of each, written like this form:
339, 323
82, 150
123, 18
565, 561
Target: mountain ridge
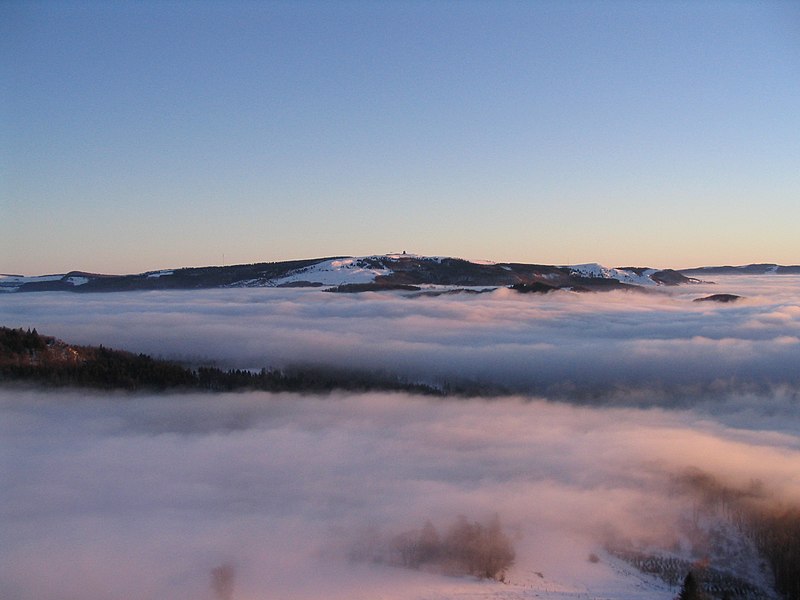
385, 272
376, 272
751, 269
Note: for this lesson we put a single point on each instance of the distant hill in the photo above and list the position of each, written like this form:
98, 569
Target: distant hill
754, 269
353, 274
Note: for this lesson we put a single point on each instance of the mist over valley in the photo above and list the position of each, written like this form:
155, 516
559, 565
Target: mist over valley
597, 410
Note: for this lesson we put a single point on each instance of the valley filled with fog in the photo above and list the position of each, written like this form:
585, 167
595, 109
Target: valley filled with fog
599, 408
627, 345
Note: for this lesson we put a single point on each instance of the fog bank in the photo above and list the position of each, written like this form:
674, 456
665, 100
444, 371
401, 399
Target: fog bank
257, 495
638, 347
260, 496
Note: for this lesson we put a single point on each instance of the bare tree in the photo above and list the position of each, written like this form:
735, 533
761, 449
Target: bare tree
222, 581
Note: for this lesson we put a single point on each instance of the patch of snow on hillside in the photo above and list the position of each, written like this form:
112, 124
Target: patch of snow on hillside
76, 280
395, 257
11, 283
334, 272
157, 274
622, 275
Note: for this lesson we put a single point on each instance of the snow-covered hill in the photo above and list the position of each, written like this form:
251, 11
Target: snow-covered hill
630, 275
362, 273
337, 271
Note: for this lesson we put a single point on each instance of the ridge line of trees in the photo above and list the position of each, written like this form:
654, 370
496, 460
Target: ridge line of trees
25, 355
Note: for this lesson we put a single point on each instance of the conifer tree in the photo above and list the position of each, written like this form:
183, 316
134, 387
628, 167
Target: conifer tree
691, 589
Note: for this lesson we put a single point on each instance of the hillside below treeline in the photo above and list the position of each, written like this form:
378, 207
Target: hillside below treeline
405, 272
27, 356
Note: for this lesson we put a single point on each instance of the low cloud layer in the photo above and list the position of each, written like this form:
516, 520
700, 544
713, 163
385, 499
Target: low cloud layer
630, 345
256, 495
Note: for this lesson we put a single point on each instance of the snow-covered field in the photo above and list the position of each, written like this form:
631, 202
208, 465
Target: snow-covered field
110, 496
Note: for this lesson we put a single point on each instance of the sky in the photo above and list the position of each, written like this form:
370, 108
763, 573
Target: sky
146, 135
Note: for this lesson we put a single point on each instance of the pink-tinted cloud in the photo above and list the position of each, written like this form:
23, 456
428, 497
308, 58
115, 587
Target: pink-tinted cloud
143, 496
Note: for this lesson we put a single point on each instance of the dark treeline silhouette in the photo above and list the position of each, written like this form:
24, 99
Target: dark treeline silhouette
305, 379
27, 356
20, 341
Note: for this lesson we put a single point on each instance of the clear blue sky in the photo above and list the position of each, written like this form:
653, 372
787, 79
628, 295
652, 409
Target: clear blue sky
144, 135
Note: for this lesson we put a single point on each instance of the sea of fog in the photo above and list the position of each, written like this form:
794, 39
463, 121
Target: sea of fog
629, 345
141, 496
